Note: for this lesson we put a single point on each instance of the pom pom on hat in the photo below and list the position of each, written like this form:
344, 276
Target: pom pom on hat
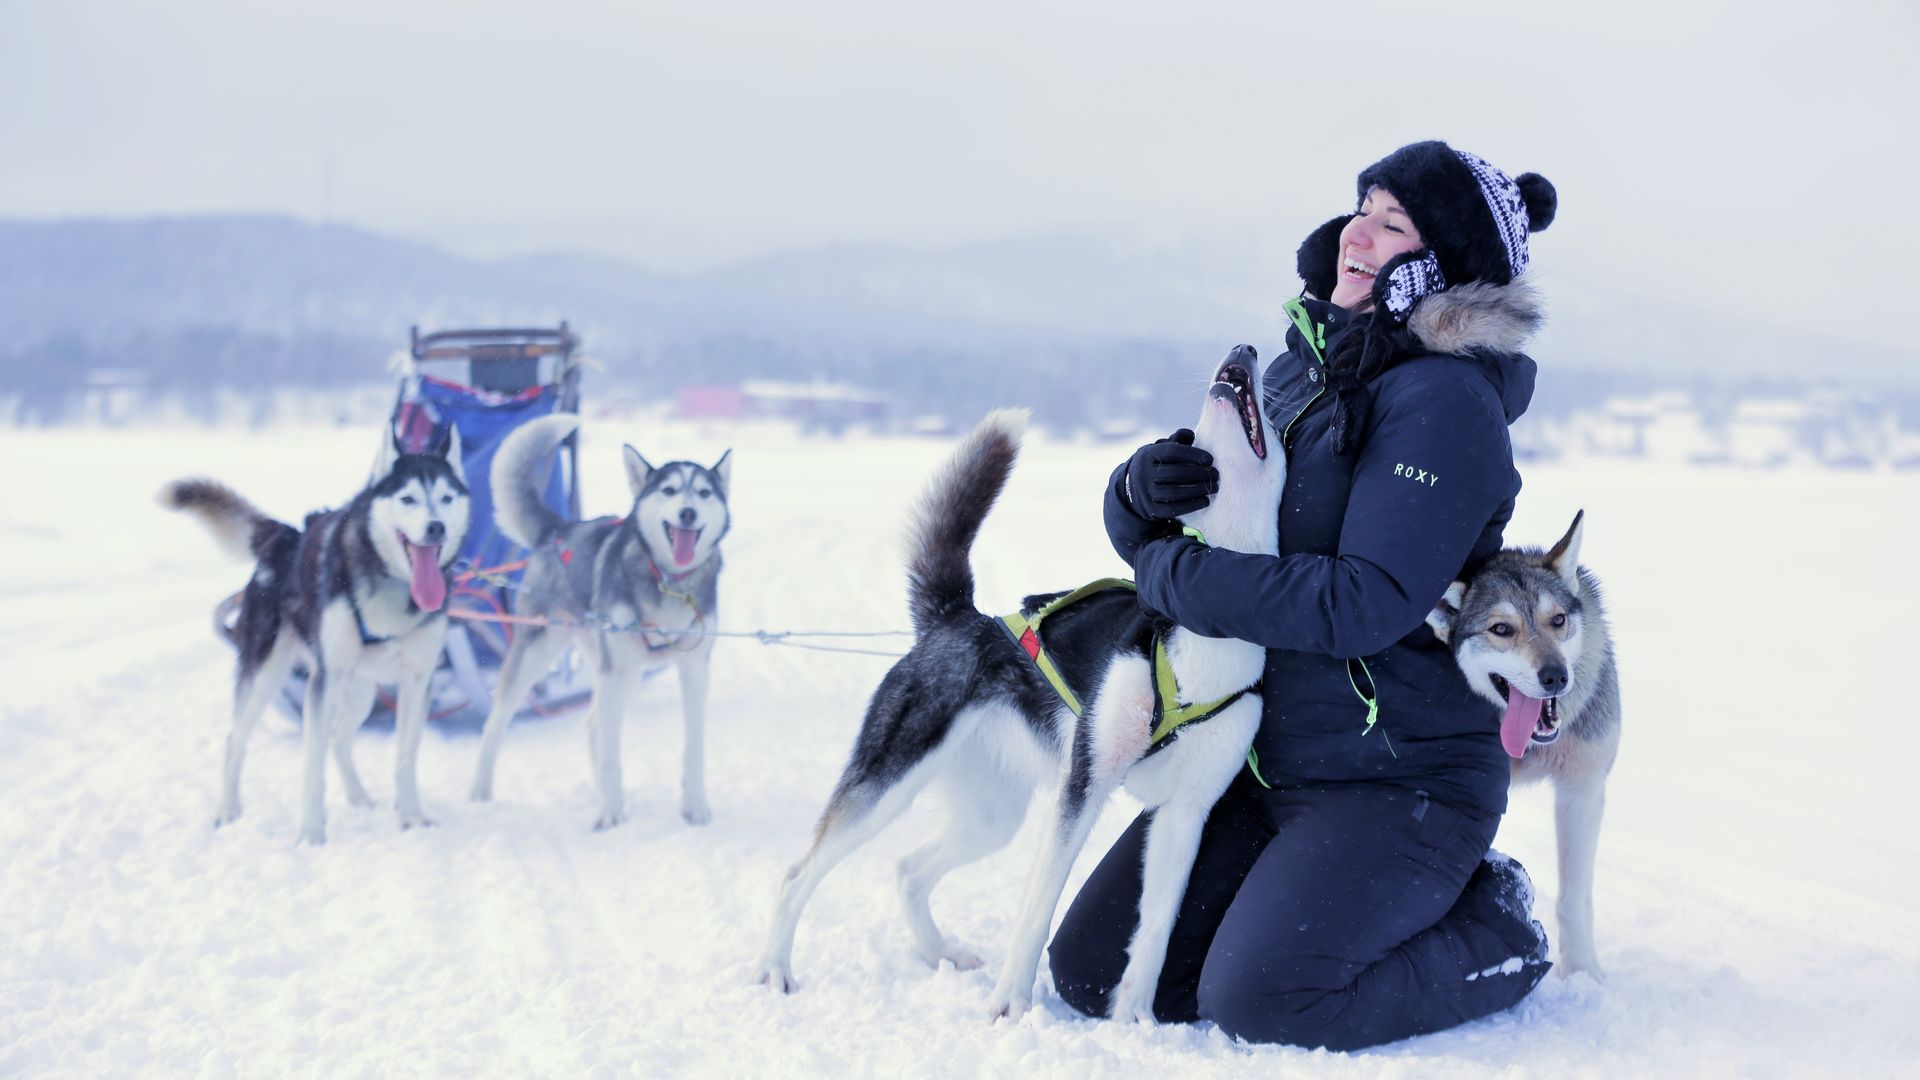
1541, 199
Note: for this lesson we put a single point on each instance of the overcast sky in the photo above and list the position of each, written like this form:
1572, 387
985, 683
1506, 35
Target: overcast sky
1758, 157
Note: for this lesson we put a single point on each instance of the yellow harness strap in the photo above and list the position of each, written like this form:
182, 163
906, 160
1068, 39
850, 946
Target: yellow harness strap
1169, 715
1026, 634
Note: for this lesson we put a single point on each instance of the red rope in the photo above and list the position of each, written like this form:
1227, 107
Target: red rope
469, 575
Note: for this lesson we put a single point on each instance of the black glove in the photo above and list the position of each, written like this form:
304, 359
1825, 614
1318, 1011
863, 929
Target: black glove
1170, 477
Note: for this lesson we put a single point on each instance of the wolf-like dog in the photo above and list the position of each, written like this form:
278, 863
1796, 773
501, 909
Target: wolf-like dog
653, 574
970, 710
360, 595
1530, 634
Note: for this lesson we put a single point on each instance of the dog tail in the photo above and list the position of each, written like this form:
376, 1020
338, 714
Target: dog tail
238, 526
941, 534
520, 470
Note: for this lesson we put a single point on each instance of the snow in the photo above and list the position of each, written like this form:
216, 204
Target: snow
1759, 875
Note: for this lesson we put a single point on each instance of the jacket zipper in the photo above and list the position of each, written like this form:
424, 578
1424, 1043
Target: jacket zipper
1315, 337
1370, 697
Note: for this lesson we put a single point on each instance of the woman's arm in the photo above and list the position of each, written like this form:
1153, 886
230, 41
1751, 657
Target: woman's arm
1425, 484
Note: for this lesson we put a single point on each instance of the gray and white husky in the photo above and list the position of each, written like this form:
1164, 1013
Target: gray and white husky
360, 595
654, 574
1530, 634
968, 711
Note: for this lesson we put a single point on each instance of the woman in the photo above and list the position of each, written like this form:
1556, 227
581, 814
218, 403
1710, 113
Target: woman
1344, 894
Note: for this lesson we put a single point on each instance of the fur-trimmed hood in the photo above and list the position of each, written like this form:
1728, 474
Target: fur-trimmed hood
1486, 325
1481, 317
1482, 325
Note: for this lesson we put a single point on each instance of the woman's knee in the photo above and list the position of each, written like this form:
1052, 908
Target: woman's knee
1251, 997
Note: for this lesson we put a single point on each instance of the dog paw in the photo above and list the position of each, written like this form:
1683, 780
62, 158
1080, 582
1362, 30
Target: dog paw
360, 800
611, 819
1130, 1005
961, 959
696, 815
1007, 1005
226, 815
778, 978
1588, 966
416, 820
480, 792
313, 835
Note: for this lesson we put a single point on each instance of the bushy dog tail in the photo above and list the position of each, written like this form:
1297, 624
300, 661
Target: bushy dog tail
238, 526
520, 471
941, 534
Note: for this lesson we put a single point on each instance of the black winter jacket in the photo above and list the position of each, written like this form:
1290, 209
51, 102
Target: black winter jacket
1357, 689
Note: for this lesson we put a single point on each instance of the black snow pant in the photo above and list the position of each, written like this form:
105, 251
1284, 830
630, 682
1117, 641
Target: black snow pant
1341, 917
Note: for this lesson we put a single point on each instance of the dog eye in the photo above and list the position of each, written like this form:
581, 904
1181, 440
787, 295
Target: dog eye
446, 500
669, 490
1500, 629
408, 500
1559, 621
704, 493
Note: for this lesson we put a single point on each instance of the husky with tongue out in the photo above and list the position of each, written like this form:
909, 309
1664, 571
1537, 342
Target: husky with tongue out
359, 595
633, 593
1529, 633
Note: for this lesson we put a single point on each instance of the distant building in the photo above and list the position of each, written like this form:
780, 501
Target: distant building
1661, 424
1767, 432
113, 395
831, 406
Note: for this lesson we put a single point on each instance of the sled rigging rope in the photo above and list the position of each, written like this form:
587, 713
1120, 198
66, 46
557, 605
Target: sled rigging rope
496, 576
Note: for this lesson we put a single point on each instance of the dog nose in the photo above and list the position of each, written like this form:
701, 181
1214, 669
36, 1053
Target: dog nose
687, 516
436, 532
1553, 678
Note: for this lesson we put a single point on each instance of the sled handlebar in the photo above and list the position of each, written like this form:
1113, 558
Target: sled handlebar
497, 344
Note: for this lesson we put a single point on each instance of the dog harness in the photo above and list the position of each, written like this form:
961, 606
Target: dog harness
1169, 715
655, 638
367, 637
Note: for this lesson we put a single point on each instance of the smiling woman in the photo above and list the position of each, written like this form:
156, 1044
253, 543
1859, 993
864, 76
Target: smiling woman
1344, 893
1376, 235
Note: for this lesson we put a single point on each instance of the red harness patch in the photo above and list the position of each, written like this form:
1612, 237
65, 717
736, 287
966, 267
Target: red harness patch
1030, 641
566, 553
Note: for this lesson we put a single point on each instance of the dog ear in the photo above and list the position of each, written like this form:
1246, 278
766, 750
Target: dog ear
390, 451
724, 470
1564, 559
450, 450
1448, 609
637, 471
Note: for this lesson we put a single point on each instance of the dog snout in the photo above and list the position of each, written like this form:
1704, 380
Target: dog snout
687, 517
436, 532
1553, 678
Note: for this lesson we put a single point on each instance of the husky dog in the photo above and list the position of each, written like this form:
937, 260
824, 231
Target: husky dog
653, 574
359, 595
1531, 637
971, 712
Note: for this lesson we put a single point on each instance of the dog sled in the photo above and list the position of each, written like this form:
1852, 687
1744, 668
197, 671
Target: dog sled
485, 383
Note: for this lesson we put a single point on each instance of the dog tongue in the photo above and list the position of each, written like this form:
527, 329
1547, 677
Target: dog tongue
683, 541
1516, 727
429, 583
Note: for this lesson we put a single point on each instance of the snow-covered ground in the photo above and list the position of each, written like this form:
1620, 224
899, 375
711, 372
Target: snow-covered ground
1759, 881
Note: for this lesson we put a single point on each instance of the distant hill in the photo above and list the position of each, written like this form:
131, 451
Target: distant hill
1072, 324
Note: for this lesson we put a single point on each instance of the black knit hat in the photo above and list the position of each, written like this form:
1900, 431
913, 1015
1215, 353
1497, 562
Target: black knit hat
1473, 217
